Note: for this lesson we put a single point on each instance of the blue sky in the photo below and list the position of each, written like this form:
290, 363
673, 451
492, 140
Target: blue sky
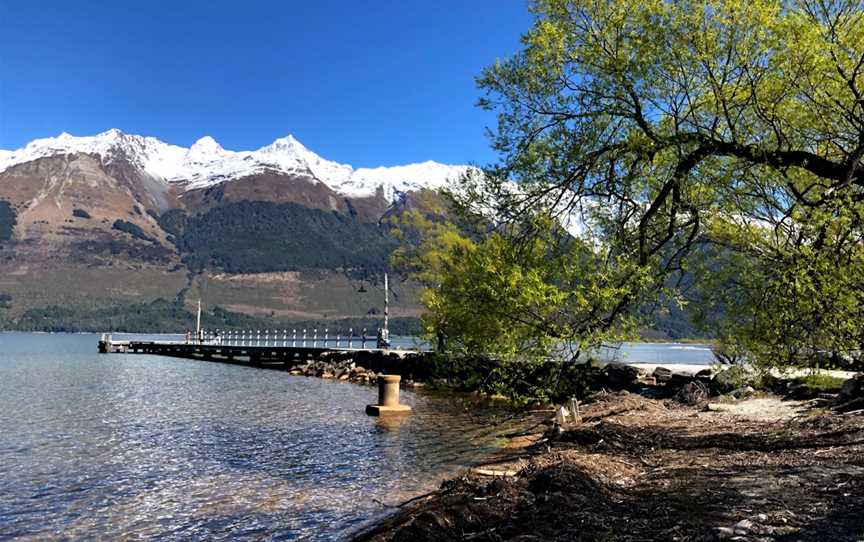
358, 81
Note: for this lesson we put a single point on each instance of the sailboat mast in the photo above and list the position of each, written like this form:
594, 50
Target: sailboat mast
386, 305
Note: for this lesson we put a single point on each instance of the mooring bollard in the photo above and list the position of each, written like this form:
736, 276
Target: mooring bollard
388, 397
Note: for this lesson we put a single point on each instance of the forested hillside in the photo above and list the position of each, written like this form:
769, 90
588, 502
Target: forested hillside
258, 237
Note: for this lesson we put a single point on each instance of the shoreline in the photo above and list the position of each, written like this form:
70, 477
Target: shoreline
645, 469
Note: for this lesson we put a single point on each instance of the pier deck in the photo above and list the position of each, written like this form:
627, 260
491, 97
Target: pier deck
273, 353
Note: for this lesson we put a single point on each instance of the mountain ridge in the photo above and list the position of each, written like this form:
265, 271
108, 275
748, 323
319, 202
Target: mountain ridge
206, 163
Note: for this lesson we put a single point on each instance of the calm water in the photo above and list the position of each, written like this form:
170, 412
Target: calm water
133, 446
659, 353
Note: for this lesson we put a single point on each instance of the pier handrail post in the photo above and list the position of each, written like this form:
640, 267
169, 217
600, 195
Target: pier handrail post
363, 343
258, 337
293, 338
315, 339
325, 337
337, 339
304, 338
284, 337
350, 336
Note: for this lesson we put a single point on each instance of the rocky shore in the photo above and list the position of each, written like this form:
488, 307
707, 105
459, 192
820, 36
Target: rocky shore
365, 367
629, 467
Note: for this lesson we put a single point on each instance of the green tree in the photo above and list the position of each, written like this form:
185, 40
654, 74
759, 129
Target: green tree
663, 128
510, 298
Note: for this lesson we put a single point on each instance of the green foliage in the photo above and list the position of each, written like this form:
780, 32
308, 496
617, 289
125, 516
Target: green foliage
173, 222
256, 236
7, 220
515, 300
664, 127
522, 383
162, 316
794, 303
132, 229
817, 383
155, 317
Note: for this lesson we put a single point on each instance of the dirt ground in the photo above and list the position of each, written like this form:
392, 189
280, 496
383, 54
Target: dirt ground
641, 469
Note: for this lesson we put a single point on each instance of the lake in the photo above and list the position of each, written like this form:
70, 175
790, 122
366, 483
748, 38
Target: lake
134, 446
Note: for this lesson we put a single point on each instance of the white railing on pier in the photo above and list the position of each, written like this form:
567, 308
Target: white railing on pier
276, 338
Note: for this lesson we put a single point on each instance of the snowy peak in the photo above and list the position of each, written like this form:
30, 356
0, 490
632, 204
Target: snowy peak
206, 145
207, 163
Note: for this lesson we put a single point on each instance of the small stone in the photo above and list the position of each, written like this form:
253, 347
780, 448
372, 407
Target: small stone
742, 392
662, 374
744, 525
724, 533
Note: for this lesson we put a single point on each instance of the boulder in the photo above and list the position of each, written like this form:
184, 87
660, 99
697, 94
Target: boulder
679, 380
620, 376
852, 388
741, 393
662, 374
729, 380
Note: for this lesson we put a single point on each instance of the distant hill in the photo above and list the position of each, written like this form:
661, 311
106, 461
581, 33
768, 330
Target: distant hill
125, 226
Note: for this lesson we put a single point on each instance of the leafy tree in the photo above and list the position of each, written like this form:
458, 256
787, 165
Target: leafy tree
7, 220
658, 127
514, 300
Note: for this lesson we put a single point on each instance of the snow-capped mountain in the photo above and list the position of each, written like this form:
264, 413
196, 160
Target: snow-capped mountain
206, 163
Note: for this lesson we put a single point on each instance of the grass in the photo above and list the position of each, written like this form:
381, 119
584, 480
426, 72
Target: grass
820, 383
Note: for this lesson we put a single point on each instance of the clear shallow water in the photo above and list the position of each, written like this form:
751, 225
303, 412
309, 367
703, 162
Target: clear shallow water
659, 353
133, 446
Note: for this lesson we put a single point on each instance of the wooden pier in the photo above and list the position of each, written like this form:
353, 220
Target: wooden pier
279, 349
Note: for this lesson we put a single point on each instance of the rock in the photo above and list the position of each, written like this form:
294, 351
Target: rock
692, 393
744, 525
724, 533
852, 388
704, 373
343, 376
647, 381
620, 376
662, 374
679, 380
742, 392
729, 380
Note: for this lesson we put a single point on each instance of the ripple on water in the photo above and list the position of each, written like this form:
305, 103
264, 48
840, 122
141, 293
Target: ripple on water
146, 447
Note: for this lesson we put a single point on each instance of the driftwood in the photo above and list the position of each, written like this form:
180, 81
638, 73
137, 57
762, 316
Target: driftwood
854, 404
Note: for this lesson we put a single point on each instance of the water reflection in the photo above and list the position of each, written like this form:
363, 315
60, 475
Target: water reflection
137, 446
